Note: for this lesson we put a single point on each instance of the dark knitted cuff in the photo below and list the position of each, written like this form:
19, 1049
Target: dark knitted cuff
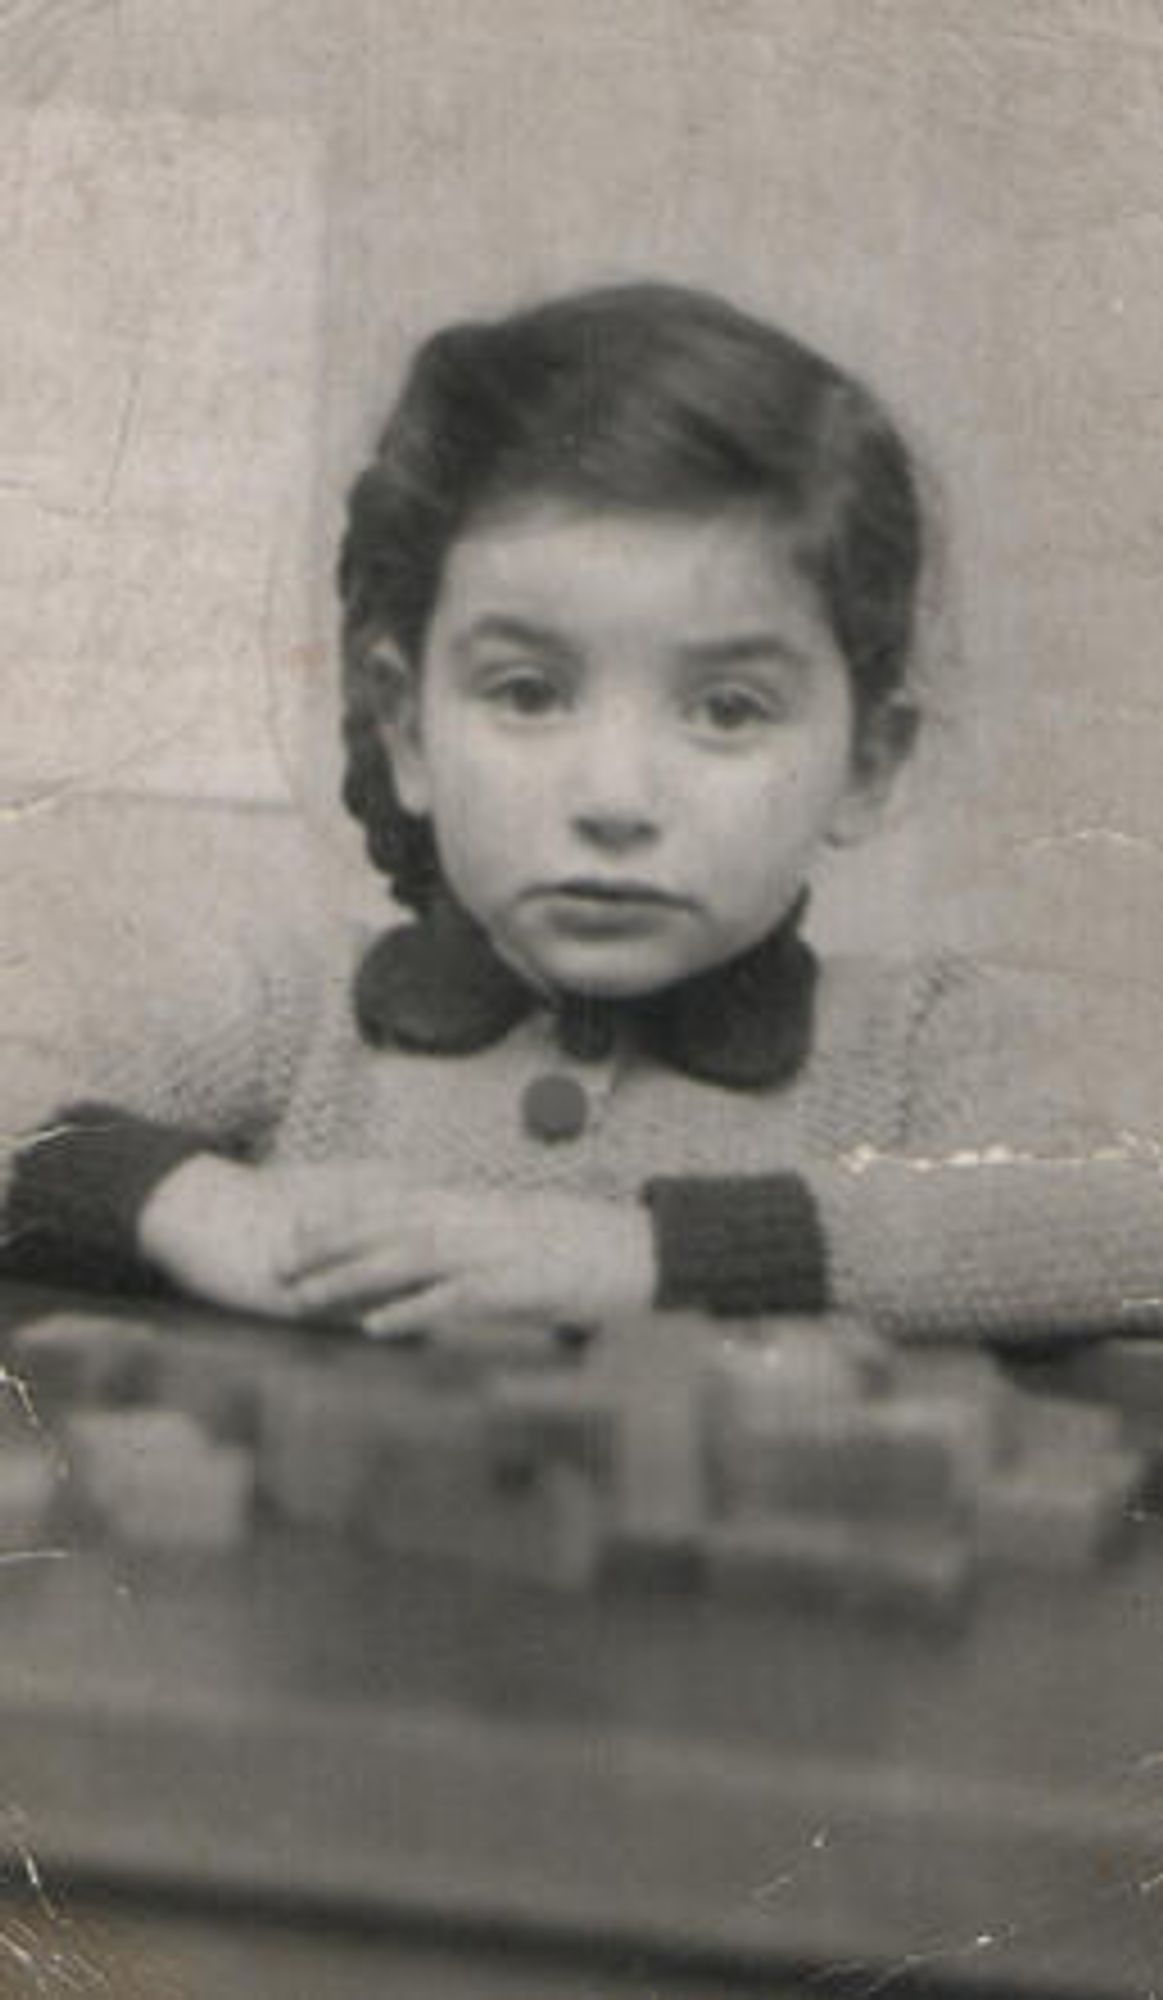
737, 1245
78, 1188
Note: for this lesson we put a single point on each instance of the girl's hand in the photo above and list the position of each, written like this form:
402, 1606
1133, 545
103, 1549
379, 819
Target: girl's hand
224, 1232
449, 1261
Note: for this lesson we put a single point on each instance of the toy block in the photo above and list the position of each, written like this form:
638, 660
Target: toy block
939, 1368
325, 1424
965, 1378
28, 1484
391, 1369
206, 1505
649, 1374
653, 1555
563, 1543
860, 1469
1057, 1512
1072, 1428
430, 1486
759, 1396
970, 1435
552, 1415
111, 1449
395, 1376
436, 1492
871, 1360
552, 1532
829, 1561
1126, 1375
320, 1431
801, 1377
80, 1357
212, 1382
151, 1476
659, 1482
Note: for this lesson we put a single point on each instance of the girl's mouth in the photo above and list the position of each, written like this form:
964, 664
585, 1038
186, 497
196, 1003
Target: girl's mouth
599, 908
599, 889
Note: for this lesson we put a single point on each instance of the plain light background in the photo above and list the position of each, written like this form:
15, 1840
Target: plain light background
224, 227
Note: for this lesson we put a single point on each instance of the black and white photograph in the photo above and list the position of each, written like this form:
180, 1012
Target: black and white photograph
581, 999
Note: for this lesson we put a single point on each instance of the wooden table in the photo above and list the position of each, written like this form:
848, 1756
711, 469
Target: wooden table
306, 1724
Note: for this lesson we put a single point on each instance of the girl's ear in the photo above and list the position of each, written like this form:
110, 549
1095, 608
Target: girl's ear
884, 742
395, 688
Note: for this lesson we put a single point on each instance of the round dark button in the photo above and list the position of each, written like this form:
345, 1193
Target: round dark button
554, 1107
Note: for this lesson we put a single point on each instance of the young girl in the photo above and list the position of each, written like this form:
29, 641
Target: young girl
628, 598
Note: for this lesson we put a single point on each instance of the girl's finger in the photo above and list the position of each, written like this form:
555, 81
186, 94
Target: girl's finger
337, 1222
446, 1312
316, 1243
424, 1310
383, 1276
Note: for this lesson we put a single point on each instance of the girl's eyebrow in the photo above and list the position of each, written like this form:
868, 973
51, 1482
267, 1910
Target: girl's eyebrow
745, 649
739, 649
510, 631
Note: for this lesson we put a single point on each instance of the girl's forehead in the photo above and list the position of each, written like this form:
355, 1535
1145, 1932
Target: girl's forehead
592, 565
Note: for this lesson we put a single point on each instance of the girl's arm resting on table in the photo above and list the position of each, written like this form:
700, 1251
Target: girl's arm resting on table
1022, 1196
102, 1197
163, 1012
108, 1198
997, 1249
970, 1246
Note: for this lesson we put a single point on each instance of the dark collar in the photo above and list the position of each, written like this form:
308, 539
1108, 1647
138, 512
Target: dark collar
437, 987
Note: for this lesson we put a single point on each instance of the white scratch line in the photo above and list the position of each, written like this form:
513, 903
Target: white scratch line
23, 1395
22, 1845
1129, 1149
36, 1879
764, 1891
1093, 836
19, 1952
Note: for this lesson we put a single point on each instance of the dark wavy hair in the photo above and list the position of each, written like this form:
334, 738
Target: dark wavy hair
642, 396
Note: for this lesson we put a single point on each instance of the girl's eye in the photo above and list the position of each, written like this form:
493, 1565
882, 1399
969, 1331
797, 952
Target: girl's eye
731, 711
524, 691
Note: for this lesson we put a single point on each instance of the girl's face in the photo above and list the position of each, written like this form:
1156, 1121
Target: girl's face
632, 733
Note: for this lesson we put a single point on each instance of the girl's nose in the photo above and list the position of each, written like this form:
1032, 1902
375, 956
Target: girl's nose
615, 804
616, 832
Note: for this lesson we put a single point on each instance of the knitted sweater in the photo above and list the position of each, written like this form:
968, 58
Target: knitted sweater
938, 1164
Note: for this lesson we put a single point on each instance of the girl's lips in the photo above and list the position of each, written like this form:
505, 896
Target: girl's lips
612, 893
599, 910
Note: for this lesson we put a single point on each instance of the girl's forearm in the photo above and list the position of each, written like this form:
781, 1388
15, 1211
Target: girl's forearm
975, 1246
994, 1248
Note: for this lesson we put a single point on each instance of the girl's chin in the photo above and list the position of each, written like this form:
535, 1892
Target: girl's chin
607, 974
610, 952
